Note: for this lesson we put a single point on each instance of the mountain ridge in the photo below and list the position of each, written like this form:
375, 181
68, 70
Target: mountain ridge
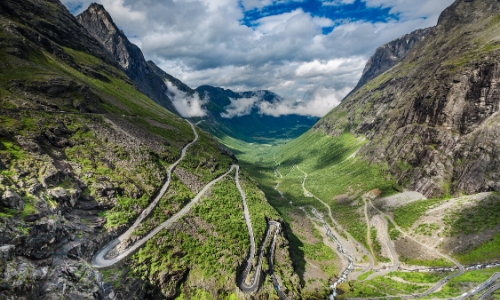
100, 25
388, 55
250, 124
451, 92
83, 152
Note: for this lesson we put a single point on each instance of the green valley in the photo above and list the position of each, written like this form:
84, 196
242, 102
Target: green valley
119, 181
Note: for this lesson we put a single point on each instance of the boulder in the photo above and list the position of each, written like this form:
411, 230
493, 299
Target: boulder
60, 195
12, 200
7, 252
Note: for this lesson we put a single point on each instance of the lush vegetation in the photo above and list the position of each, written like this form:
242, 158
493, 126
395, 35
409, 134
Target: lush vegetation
379, 287
211, 242
406, 216
463, 283
488, 251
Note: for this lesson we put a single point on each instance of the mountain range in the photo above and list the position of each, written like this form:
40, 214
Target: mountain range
179, 98
106, 192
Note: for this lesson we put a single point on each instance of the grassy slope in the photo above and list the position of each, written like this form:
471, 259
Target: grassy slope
135, 170
331, 173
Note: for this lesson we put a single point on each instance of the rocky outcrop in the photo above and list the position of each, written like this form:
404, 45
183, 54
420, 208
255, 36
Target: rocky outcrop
433, 119
100, 25
49, 26
12, 200
388, 55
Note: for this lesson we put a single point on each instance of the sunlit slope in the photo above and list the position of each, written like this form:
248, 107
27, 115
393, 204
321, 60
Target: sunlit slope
332, 164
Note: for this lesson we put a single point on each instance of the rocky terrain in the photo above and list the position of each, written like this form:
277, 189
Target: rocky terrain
84, 150
432, 119
165, 88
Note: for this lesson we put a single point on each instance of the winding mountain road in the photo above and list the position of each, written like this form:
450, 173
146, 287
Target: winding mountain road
439, 284
394, 254
100, 260
489, 292
435, 287
271, 226
488, 284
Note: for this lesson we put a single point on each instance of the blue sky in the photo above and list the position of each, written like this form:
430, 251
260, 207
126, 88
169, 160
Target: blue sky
352, 12
310, 52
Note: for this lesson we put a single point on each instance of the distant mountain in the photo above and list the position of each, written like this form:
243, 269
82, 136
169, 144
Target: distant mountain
251, 125
388, 55
100, 25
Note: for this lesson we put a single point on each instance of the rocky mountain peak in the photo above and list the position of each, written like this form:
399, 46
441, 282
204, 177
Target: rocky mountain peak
437, 110
107, 24
100, 25
388, 55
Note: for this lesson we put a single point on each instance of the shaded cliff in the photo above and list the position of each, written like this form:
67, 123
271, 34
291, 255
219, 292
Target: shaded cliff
432, 119
100, 25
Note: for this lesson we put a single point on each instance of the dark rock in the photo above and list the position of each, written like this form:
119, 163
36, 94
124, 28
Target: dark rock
59, 194
87, 205
100, 25
5, 286
12, 200
53, 176
32, 218
7, 252
35, 188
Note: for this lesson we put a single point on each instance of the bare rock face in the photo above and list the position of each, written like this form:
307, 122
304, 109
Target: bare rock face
100, 25
388, 55
12, 200
49, 25
433, 118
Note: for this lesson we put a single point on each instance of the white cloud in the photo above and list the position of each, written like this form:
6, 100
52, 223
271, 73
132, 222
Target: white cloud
188, 106
239, 107
205, 42
337, 66
322, 101
337, 2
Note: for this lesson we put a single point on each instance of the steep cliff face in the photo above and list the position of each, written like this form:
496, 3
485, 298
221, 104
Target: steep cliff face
433, 119
388, 55
100, 25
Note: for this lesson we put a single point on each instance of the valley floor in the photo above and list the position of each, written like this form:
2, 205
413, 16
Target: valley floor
351, 230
